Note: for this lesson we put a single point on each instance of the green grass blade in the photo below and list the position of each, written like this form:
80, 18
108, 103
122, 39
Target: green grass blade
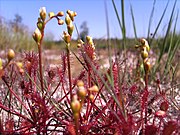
134, 25
167, 33
159, 23
109, 44
171, 51
117, 14
150, 19
121, 24
172, 47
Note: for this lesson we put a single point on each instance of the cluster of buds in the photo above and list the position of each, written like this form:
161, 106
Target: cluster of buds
37, 35
69, 21
89, 47
57, 16
144, 47
70, 27
77, 104
10, 55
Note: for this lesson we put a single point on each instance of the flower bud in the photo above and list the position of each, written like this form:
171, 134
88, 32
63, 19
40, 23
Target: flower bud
91, 97
10, 54
75, 105
89, 40
75, 14
94, 88
68, 11
80, 83
144, 43
78, 45
144, 54
71, 14
42, 13
60, 22
66, 37
21, 71
40, 25
19, 64
70, 29
51, 14
37, 35
68, 19
82, 92
80, 42
60, 14
136, 46
39, 19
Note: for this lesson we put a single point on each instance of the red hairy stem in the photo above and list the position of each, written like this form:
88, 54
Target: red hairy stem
13, 93
14, 112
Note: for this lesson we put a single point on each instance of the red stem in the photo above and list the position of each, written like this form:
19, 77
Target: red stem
69, 71
40, 66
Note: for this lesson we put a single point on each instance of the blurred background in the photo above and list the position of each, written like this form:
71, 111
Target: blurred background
18, 19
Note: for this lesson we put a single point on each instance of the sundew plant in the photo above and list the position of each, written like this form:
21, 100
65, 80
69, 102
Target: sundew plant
117, 100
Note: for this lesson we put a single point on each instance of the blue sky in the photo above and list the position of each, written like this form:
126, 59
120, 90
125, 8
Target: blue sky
93, 12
